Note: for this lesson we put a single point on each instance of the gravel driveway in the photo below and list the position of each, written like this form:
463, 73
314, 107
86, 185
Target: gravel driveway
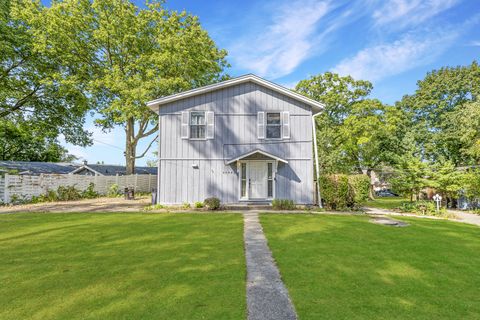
87, 205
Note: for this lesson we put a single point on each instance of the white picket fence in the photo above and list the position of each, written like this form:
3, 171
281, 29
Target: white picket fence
26, 186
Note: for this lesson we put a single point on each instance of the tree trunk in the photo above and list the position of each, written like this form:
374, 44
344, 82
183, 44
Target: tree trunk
130, 146
371, 194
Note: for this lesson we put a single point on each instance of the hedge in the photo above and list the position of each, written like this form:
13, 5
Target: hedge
340, 191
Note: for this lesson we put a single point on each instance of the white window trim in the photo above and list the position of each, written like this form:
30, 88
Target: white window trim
190, 125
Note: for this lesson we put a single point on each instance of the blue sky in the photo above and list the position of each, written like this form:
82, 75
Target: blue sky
392, 43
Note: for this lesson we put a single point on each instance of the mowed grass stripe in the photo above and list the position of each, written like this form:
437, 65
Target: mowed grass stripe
122, 266
343, 267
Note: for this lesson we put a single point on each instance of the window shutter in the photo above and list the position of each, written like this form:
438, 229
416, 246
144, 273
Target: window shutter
185, 124
261, 125
286, 125
210, 120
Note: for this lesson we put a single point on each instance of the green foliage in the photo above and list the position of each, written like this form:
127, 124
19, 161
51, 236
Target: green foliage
428, 208
212, 203
360, 185
21, 141
471, 184
124, 56
283, 204
90, 192
353, 132
68, 193
186, 205
154, 207
336, 192
35, 88
113, 191
445, 114
199, 205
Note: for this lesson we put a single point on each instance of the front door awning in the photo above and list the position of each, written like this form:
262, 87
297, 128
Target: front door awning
257, 152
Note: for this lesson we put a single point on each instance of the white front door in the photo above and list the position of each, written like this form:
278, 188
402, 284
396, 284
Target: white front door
258, 180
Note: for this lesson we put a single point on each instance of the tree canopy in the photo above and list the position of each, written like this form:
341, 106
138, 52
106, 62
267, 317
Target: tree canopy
125, 56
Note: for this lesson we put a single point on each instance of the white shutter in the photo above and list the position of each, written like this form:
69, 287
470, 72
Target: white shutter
261, 125
286, 125
185, 124
210, 118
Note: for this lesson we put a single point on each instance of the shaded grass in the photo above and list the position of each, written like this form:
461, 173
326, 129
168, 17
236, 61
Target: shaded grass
122, 266
385, 202
343, 267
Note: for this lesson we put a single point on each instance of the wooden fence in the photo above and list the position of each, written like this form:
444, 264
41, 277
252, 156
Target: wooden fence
26, 186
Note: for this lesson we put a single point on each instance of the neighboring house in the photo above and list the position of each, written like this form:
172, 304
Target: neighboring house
241, 140
37, 168
109, 170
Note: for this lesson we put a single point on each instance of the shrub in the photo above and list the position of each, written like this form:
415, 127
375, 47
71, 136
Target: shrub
153, 207
199, 204
428, 208
360, 186
90, 192
113, 191
336, 192
283, 204
212, 203
186, 205
68, 193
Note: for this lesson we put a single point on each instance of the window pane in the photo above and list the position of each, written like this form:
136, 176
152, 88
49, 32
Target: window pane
273, 132
197, 132
197, 118
270, 188
269, 171
244, 171
273, 118
244, 188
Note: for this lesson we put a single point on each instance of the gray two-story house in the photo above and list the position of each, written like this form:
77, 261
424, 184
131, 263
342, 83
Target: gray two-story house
240, 140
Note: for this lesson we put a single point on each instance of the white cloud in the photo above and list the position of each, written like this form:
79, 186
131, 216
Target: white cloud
475, 43
285, 43
384, 60
403, 13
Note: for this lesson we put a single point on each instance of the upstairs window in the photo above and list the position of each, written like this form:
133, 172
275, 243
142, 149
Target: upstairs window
197, 125
273, 125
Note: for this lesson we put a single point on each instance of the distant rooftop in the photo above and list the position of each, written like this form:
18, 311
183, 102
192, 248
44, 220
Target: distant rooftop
36, 168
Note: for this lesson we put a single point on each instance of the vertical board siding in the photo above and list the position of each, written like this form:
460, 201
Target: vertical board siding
235, 118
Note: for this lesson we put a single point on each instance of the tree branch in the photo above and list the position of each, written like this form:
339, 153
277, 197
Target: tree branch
19, 103
148, 148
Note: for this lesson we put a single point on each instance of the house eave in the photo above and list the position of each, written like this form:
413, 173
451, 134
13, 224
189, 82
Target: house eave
315, 105
267, 154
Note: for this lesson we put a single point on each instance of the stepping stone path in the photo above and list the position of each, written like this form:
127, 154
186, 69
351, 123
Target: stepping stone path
386, 221
267, 296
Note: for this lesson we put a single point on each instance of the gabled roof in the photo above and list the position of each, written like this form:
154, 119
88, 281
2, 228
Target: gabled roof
35, 168
248, 154
316, 106
111, 170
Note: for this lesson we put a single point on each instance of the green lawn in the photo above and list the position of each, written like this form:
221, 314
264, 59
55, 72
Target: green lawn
385, 202
122, 266
343, 267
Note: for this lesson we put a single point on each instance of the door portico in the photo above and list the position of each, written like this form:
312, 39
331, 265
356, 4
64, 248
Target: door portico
256, 175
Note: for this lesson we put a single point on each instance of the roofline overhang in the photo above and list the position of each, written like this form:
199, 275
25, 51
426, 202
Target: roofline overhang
316, 106
242, 156
85, 167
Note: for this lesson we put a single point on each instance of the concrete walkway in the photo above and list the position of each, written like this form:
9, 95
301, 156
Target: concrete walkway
267, 296
461, 216
466, 217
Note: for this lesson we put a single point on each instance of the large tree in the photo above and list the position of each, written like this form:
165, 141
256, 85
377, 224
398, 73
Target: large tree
18, 142
445, 112
33, 89
354, 133
126, 56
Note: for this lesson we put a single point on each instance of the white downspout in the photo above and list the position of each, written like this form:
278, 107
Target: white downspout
159, 165
317, 165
